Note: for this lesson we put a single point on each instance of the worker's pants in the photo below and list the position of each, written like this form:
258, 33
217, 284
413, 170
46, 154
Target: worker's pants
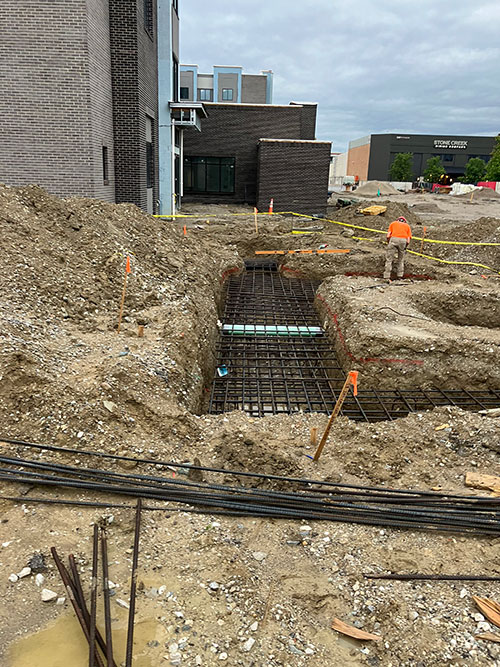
395, 248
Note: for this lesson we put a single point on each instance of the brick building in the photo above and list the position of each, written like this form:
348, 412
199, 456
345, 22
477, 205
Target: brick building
248, 153
225, 84
79, 95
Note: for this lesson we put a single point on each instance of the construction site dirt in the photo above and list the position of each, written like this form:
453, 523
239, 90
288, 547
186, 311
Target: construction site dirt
244, 589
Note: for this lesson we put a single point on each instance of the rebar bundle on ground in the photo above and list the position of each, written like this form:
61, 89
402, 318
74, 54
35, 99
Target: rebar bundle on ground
296, 498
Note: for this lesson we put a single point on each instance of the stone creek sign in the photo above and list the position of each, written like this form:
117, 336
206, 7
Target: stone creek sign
450, 143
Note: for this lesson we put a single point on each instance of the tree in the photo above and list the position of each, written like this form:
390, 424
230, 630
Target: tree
475, 170
434, 170
402, 168
493, 166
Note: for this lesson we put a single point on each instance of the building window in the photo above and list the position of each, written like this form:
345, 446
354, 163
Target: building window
205, 94
447, 157
150, 154
227, 94
184, 93
105, 165
148, 16
209, 174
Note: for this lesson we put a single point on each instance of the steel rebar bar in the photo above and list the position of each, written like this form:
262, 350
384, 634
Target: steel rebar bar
133, 587
105, 591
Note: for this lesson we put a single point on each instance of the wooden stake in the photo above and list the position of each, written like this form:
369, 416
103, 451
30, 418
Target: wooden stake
140, 331
255, 211
127, 271
352, 379
314, 436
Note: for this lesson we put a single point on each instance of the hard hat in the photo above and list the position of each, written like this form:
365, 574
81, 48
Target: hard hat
401, 219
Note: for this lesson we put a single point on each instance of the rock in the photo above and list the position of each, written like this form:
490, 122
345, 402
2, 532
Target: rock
254, 627
223, 656
13, 578
305, 530
109, 405
214, 586
122, 603
197, 660
478, 617
412, 615
37, 562
60, 601
248, 645
25, 572
39, 579
259, 555
47, 595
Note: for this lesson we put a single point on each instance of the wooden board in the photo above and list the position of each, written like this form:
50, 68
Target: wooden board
373, 210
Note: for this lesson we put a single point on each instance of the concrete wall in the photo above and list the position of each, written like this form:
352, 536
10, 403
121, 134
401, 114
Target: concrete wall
234, 130
45, 105
294, 174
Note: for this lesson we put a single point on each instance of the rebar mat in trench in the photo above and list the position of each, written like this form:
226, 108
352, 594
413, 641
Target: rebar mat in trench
273, 358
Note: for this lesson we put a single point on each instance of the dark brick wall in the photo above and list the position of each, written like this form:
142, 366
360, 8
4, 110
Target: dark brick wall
101, 99
45, 98
233, 130
294, 174
135, 95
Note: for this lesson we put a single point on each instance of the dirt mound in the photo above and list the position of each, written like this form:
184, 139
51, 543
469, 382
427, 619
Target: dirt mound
484, 193
372, 188
351, 215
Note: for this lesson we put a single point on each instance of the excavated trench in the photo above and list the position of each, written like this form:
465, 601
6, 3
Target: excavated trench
273, 357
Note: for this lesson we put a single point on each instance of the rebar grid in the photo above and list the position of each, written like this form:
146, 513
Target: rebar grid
285, 373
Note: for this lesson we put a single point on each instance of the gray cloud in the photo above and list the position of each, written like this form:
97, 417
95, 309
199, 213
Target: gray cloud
388, 66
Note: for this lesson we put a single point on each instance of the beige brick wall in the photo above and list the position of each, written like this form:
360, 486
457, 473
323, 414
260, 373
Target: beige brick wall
357, 162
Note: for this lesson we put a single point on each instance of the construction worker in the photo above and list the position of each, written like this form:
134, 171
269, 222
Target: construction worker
398, 239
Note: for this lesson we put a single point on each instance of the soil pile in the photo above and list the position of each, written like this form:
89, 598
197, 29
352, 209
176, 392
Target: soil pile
372, 188
483, 193
394, 210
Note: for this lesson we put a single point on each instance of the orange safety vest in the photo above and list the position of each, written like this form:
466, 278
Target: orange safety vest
399, 230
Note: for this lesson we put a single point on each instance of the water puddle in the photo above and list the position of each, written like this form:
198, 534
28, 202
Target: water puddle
62, 644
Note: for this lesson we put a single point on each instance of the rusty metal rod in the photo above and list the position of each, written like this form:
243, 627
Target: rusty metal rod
78, 591
93, 596
105, 590
133, 587
71, 595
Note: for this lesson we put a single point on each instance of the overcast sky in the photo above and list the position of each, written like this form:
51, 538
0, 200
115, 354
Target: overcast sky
388, 66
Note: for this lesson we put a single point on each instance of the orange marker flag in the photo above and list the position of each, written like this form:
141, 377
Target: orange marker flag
353, 375
127, 265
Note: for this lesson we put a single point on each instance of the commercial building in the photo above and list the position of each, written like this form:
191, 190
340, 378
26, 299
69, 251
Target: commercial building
226, 84
79, 108
250, 153
371, 157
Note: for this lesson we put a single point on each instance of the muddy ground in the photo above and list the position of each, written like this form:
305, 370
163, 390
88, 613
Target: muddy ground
69, 379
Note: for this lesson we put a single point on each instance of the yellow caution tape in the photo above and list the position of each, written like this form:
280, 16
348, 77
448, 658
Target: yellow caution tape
337, 222
447, 261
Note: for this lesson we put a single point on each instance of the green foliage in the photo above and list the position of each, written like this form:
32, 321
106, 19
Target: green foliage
402, 168
475, 170
493, 166
434, 170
